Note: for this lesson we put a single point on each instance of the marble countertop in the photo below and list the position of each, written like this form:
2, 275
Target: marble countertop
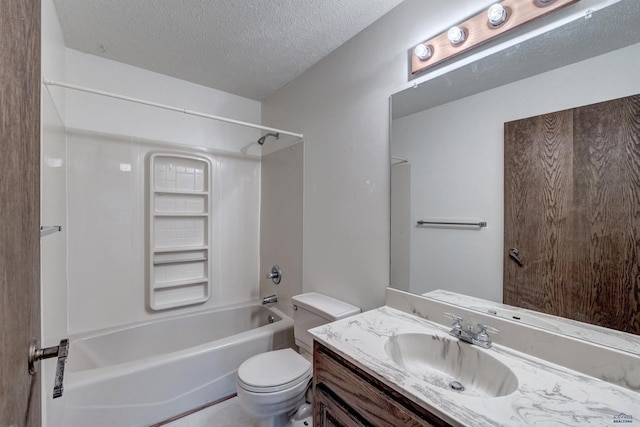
547, 394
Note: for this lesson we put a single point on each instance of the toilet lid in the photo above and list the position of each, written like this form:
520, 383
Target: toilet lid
274, 371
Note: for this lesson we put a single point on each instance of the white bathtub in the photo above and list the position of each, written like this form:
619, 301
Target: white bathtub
146, 373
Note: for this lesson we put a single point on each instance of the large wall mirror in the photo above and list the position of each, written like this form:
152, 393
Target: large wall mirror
447, 145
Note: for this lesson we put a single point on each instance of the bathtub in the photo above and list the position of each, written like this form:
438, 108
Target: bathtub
145, 373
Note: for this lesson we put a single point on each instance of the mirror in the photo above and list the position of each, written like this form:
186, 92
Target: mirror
447, 145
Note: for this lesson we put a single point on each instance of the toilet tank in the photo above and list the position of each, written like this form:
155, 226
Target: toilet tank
313, 309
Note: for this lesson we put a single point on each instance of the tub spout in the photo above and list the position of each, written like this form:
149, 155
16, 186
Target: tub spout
270, 299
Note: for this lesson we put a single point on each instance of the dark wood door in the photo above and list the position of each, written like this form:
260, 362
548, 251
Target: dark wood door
606, 279
538, 197
20, 209
572, 210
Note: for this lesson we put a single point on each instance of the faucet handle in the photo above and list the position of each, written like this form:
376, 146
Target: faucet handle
456, 320
482, 337
486, 328
275, 275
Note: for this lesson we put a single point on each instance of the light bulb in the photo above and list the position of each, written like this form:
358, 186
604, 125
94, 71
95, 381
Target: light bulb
496, 14
456, 35
423, 52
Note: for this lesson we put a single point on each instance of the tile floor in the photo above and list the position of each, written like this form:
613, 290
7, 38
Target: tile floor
228, 414
225, 414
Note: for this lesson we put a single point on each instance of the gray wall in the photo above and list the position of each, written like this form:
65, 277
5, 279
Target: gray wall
342, 106
282, 178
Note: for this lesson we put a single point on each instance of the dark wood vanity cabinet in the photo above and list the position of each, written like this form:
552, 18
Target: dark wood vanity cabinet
346, 396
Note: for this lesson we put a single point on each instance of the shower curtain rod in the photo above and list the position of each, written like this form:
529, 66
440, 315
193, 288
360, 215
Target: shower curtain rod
50, 82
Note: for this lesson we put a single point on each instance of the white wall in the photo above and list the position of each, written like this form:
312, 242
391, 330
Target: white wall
400, 245
456, 153
53, 208
53, 248
109, 142
281, 216
53, 181
103, 212
105, 202
93, 273
53, 54
108, 221
107, 115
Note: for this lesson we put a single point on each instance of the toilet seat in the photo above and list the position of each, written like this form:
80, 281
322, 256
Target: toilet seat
273, 371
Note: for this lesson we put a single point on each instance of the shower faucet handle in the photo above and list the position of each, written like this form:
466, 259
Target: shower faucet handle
275, 275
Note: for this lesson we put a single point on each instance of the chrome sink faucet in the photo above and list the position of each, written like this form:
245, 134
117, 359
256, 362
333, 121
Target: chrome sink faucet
480, 338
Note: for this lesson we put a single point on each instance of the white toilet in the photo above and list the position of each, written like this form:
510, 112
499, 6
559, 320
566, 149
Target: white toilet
272, 385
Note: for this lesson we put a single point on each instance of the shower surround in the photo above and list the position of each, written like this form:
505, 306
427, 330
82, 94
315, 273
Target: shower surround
95, 184
110, 245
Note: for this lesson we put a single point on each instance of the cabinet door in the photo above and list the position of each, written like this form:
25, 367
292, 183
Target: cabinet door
330, 413
375, 404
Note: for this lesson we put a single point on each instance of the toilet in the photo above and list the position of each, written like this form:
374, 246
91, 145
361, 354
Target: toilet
273, 386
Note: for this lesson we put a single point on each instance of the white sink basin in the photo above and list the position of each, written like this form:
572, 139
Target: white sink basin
449, 363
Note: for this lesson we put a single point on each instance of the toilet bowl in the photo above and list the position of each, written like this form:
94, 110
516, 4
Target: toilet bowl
273, 383
273, 386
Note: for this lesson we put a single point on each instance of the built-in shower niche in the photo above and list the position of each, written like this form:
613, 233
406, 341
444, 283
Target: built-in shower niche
179, 227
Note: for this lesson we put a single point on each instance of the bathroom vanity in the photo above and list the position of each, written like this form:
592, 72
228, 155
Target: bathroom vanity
397, 366
345, 395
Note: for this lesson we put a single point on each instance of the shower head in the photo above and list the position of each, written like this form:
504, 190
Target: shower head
264, 137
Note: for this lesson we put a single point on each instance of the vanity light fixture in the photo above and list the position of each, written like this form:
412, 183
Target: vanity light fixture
456, 35
423, 52
502, 16
497, 14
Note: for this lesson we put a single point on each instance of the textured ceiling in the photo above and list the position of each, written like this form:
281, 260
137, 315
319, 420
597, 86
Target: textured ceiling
247, 47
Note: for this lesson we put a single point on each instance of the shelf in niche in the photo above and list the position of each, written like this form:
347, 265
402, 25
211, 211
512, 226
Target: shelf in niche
165, 249
180, 283
184, 248
180, 231
167, 191
180, 214
179, 224
180, 296
179, 261
182, 203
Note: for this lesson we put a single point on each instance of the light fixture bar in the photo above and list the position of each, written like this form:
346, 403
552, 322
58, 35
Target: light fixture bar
478, 30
